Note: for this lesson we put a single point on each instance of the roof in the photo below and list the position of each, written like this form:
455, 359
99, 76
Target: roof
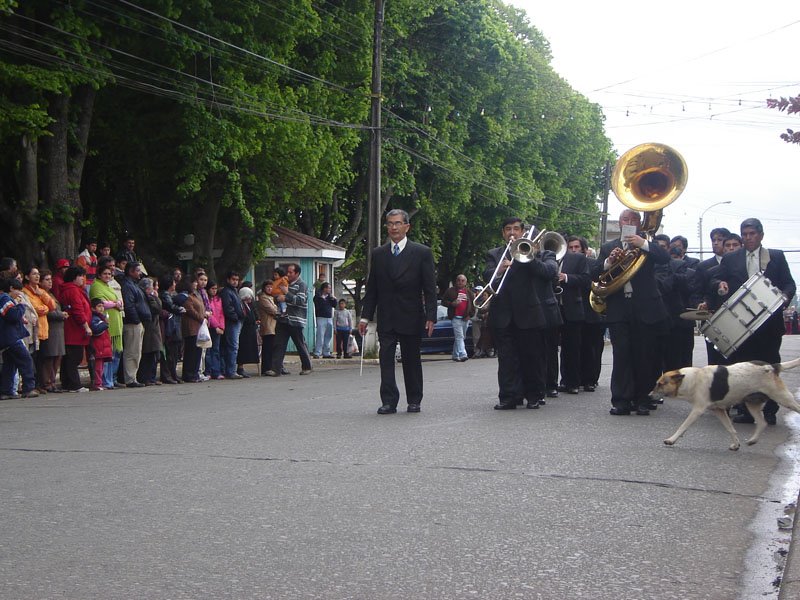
288, 243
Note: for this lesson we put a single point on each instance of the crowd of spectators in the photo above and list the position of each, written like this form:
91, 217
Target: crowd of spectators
132, 329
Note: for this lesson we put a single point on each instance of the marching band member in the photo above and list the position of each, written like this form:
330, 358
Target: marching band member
519, 315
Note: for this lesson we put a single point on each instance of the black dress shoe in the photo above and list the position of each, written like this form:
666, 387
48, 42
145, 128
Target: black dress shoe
285, 371
619, 412
533, 404
552, 393
643, 411
743, 418
413, 408
569, 390
135, 384
505, 406
387, 409
588, 388
770, 419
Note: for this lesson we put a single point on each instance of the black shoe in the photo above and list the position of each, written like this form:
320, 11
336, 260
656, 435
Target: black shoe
569, 390
553, 393
135, 384
387, 409
743, 418
533, 403
618, 412
285, 371
542, 402
643, 411
505, 406
770, 419
271, 373
588, 388
413, 408
234, 376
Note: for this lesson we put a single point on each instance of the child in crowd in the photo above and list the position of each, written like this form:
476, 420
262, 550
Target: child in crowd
14, 349
280, 286
100, 342
343, 323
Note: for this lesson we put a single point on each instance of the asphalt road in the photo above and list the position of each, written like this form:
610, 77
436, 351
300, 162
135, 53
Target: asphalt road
295, 488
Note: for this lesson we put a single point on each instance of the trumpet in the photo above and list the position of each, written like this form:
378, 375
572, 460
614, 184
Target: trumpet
523, 250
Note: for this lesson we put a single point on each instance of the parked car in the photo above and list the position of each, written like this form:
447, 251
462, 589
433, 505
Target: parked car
442, 339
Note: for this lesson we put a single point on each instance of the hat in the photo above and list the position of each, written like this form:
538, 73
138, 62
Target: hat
61, 263
478, 288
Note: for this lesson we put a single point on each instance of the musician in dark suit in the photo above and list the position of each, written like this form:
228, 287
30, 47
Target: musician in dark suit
681, 244
734, 270
637, 319
710, 300
402, 287
574, 281
593, 340
519, 315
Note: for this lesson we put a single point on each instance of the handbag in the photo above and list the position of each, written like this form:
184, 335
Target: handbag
204, 335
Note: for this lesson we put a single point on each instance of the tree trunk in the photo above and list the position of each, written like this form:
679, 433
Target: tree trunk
54, 180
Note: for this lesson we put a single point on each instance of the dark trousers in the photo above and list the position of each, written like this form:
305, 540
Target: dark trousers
636, 360
169, 360
521, 363
191, 359
551, 342
412, 367
763, 345
267, 342
148, 367
16, 357
678, 348
571, 332
342, 339
70, 377
283, 333
592, 345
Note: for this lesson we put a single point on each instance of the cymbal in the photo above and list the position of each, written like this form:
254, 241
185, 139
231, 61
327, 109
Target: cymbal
696, 315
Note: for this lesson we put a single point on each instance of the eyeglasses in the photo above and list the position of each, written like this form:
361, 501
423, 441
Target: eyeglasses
395, 223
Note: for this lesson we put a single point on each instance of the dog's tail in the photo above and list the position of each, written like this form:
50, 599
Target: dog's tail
788, 365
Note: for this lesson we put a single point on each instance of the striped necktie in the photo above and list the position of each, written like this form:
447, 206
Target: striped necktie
396, 249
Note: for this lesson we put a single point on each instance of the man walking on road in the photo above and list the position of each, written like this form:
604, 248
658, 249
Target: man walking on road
401, 274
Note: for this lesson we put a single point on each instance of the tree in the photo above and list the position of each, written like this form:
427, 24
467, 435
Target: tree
792, 106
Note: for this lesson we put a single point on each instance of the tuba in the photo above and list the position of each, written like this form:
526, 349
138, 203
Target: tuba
646, 178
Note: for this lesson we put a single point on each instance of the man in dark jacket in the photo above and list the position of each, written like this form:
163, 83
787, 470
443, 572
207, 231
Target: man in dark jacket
637, 318
324, 303
402, 288
574, 281
520, 313
137, 311
234, 316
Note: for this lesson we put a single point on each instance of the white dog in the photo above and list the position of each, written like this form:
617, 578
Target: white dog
718, 387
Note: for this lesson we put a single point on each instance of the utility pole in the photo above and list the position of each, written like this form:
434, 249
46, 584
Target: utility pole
374, 213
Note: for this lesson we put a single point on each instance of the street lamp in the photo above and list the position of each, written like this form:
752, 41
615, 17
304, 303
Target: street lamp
700, 223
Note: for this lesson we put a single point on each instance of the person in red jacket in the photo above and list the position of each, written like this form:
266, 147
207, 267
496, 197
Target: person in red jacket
100, 342
77, 329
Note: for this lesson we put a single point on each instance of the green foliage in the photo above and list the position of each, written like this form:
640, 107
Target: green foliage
223, 119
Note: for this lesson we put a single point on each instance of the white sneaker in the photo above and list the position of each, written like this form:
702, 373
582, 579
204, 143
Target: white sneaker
204, 377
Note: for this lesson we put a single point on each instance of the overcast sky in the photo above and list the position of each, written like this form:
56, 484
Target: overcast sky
694, 75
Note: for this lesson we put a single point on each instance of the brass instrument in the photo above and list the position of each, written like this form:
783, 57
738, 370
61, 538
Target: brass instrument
646, 178
523, 250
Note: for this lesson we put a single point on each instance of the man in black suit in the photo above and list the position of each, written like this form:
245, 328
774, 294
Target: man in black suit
574, 281
710, 300
637, 319
401, 276
734, 270
681, 245
593, 340
519, 315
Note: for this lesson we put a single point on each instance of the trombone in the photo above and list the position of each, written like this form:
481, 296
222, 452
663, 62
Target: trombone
523, 250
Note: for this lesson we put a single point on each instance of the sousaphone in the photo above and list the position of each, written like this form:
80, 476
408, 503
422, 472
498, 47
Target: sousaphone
647, 178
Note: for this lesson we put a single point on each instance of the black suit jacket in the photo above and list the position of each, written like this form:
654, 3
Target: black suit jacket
402, 289
733, 270
526, 298
703, 275
648, 305
578, 281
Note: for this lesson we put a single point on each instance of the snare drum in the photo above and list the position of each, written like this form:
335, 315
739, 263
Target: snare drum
742, 314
